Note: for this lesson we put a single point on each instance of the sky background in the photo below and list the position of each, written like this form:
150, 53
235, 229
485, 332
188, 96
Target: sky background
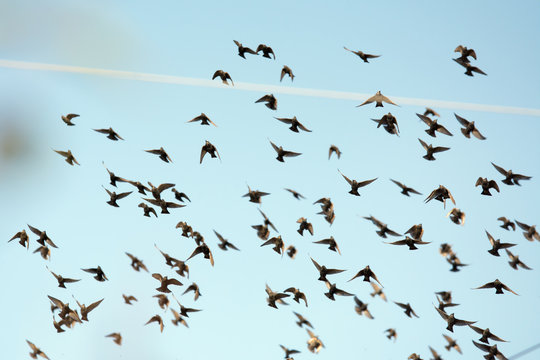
416, 41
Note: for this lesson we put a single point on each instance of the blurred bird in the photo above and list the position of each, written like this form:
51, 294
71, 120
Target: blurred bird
140, 187
286, 71
178, 319
530, 232
36, 351
411, 243
129, 299
361, 308
162, 154
279, 246
486, 185
255, 195
469, 69
224, 243
295, 124
497, 245
465, 53
510, 177
136, 263
377, 291
457, 216
267, 50
147, 210
100, 275
209, 148
205, 120
383, 228
452, 344
112, 177
114, 196
355, 185
486, 334
117, 338
314, 343
291, 251
163, 301
157, 319
164, 205
85, 310
111, 134
196, 291
67, 119
283, 153
405, 190
44, 251
391, 333
165, 282
507, 223
515, 262
492, 351
23, 238
408, 309
274, 297
205, 250
379, 99
469, 128
270, 100
289, 352
362, 55
431, 112
431, 150
224, 76
304, 225
70, 159
334, 149
498, 286
389, 122
416, 232
242, 50
296, 194
297, 294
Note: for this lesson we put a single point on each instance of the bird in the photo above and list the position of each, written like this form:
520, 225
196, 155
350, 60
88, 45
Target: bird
44, 251
100, 275
486, 185
157, 190
441, 194
408, 309
314, 343
36, 351
164, 205
443, 305
62, 280
492, 351
334, 149
334, 290
431, 150
433, 126
224, 76
205, 250
331, 242
70, 159
530, 232
283, 153
242, 50
165, 282
486, 335
180, 196
23, 238
410, 242
297, 294
158, 319
304, 225
465, 53
67, 119
85, 310
117, 338
140, 187
129, 299
469, 69
184, 311
291, 251
507, 223
43, 237
446, 296
355, 185
302, 320
111, 134
515, 262
267, 50
497, 245
323, 271
296, 194
147, 210
416, 232
414, 356
196, 291
270, 100
277, 241
389, 122
405, 190
391, 333
452, 344
205, 120
274, 297
163, 301
383, 228
378, 98
224, 243
452, 321
498, 286
456, 216
510, 177
295, 124
289, 352
362, 55
469, 128
162, 154
255, 195
377, 291
209, 148
456, 263
361, 308
367, 273
114, 196
136, 263
112, 177
178, 319
286, 71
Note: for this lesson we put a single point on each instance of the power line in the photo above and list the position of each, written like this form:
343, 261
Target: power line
524, 352
276, 89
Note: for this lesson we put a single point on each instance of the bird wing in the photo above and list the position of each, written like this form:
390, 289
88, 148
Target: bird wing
486, 286
274, 146
264, 98
316, 264
63, 153
397, 182
440, 149
442, 313
346, 178
103, 131
154, 151
303, 127
500, 170
123, 195
508, 289
461, 120
287, 153
444, 130
482, 347
93, 305
366, 182
477, 134
424, 145
491, 239
387, 100
368, 101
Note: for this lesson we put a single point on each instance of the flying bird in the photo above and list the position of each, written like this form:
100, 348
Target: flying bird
302, 320
362, 55
242, 50
323, 271
383, 228
70, 159
304, 225
367, 273
224, 244
510, 177
85, 310
377, 291
43, 237
314, 343
498, 286
469, 69
62, 280
298, 295
205, 120
379, 99
487, 185
361, 308
391, 333
23, 238
36, 351
497, 245
389, 122
136, 263
416, 232
334, 290
507, 223
295, 124
114, 196
99, 274
274, 297
157, 319
452, 321
465, 53
530, 232
255, 195
405, 190
286, 71
515, 261
289, 352
205, 250
408, 309
331, 242
441, 194
180, 196
67, 119
334, 149
492, 351
162, 154
129, 299
267, 50
111, 134
434, 126
469, 128
209, 148
224, 76
164, 205
457, 216
411, 243
165, 282
117, 338
486, 335
355, 185
283, 153
270, 100
296, 194
452, 344
279, 246
431, 150
291, 251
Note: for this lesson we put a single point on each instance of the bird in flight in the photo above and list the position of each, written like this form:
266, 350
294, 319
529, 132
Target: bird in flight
355, 185
67, 119
267, 50
111, 134
242, 50
469, 128
295, 124
224, 76
286, 71
70, 159
269, 100
363, 55
162, 154
510, 177
283, 153
378, 98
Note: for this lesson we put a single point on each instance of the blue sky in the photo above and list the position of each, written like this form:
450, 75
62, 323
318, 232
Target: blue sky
416, 41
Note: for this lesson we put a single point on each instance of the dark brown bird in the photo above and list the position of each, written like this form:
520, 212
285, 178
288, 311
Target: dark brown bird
431, 150
389, 122
157, 319
377, 291
331, 242
62, 280
498, 286
440, 194
274, 297
205, 120
362, 55
297, 295
147, 210
178, 319
114, 196
196, 291
391, 333
255, 195
113, 178
469, 128
411, 243
67, 119
530, 232
140, 187
295, 124
242, 50
111, 134
510, 177
302, 320
446, 296
469, 69
507, 223
163, 301
452, 321
361, 308
304, 225
180, 196
334, 149
355, 185
416, 232
383, 228
486, 335
408, 309
187, 230
43, 237
291, 251
36, 351
323, 271
23, 238
486, 185
85, 310
286, 71
283, 153
452, 344
184, 311
129, 299
205, 250
270, 100
515, 261
70, 159
164, 205
156, 191
162, 154
224, 244
443, 305
367, 274
492, 351
165, 282
136, 263
209, 148
465, 53
296, 194
279, 246
267, 50
117, 338
99, 274
289, 352
456, 263
457, 216
326, 204
224, 76
334, 290
497, 245
378, 98
405, 190
433, 126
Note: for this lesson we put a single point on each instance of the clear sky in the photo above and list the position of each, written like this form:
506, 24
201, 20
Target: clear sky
193, 39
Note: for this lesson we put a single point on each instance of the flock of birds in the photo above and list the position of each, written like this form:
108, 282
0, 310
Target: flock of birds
65, 317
